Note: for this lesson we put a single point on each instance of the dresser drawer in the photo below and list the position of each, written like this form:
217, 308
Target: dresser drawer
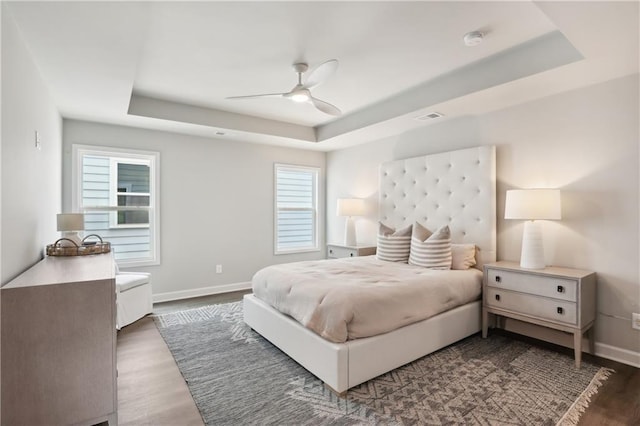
558, 288
535, 306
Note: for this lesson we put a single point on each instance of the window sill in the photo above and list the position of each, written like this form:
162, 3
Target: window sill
136, 263
297, 251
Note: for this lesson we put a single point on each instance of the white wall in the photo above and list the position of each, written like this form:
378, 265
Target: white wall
216, 203
1, 102
584, 142
31, 178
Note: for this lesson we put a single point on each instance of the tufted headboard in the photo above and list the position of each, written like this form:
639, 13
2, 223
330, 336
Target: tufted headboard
457, 188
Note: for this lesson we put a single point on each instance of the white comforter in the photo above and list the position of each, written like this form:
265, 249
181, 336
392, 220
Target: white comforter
343, 299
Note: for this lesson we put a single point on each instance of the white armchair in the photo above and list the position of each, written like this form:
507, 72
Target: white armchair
133, 297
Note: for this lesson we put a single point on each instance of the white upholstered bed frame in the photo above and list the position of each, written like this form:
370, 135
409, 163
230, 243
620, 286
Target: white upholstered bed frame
455, 188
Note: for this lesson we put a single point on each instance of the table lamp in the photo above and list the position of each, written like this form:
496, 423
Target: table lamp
69, 224
532, 205
350, 207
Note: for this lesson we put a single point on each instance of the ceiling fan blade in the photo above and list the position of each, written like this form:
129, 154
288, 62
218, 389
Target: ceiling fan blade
266, 95
325, 107
320, 73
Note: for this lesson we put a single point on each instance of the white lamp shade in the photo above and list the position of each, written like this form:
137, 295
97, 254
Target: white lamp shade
70, 222
533, 204
351, 207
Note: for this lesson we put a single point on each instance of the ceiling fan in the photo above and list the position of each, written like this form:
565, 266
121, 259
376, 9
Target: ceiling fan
301, 92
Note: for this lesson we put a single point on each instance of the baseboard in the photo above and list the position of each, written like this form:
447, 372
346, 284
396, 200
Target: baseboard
197, 292
615, 353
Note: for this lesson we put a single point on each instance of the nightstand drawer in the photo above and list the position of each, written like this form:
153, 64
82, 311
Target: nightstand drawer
534, 306
337, 252
558, 288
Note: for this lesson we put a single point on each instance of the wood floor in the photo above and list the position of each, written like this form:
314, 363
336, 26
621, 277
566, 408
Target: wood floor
151, 390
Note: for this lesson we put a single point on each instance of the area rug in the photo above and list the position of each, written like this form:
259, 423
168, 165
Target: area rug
237, 377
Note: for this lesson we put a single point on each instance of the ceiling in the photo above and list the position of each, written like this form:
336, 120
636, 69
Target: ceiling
172, 65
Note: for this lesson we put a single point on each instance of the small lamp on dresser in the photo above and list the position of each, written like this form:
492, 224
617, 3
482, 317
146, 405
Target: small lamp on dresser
532, 205
69, 224
350, 207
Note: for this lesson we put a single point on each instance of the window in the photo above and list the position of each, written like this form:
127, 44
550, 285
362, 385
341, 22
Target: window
130, 186
296, 208
117, 190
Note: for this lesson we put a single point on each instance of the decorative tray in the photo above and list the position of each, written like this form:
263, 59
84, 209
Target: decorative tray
67, 247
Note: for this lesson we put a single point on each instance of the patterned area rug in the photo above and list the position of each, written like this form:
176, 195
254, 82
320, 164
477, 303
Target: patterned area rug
238, 377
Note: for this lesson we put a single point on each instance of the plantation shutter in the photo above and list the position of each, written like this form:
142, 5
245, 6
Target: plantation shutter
296, 208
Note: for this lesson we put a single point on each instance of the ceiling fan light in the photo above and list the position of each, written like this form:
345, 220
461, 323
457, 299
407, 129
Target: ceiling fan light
300, 97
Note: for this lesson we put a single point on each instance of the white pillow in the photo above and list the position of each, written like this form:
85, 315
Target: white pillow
393, 246
463, 256
431, 250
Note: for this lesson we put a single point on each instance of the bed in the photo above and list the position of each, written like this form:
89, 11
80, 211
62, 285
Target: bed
454, 188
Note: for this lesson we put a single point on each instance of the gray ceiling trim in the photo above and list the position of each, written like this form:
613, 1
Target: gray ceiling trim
174, 111
541, 54
535, 56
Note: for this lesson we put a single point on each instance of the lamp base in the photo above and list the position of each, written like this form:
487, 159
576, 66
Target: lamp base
532, 256
70, 235
350, 232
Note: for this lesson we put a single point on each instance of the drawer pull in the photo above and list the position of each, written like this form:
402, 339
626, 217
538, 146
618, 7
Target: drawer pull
351, 254
560, 310
331, 251
498, 279
498, 297
560, 289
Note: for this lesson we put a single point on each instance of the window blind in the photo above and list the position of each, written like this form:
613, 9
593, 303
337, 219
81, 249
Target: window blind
296, 208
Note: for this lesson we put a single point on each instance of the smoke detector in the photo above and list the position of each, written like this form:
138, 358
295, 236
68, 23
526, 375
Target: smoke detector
473, 38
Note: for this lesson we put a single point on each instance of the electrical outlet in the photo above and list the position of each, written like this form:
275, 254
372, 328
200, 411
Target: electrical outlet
218, 269
635, 321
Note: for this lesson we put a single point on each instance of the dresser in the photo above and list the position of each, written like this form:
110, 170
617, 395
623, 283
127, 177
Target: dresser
335, 251
560, 298
59, 343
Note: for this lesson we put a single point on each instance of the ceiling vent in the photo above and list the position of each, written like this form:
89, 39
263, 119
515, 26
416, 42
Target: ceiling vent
428, 116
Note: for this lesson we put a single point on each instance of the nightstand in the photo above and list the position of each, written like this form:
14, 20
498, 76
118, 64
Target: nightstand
560, 298
335, 251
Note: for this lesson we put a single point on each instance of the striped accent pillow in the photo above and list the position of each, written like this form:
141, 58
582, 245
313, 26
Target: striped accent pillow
393, 246
431, 250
